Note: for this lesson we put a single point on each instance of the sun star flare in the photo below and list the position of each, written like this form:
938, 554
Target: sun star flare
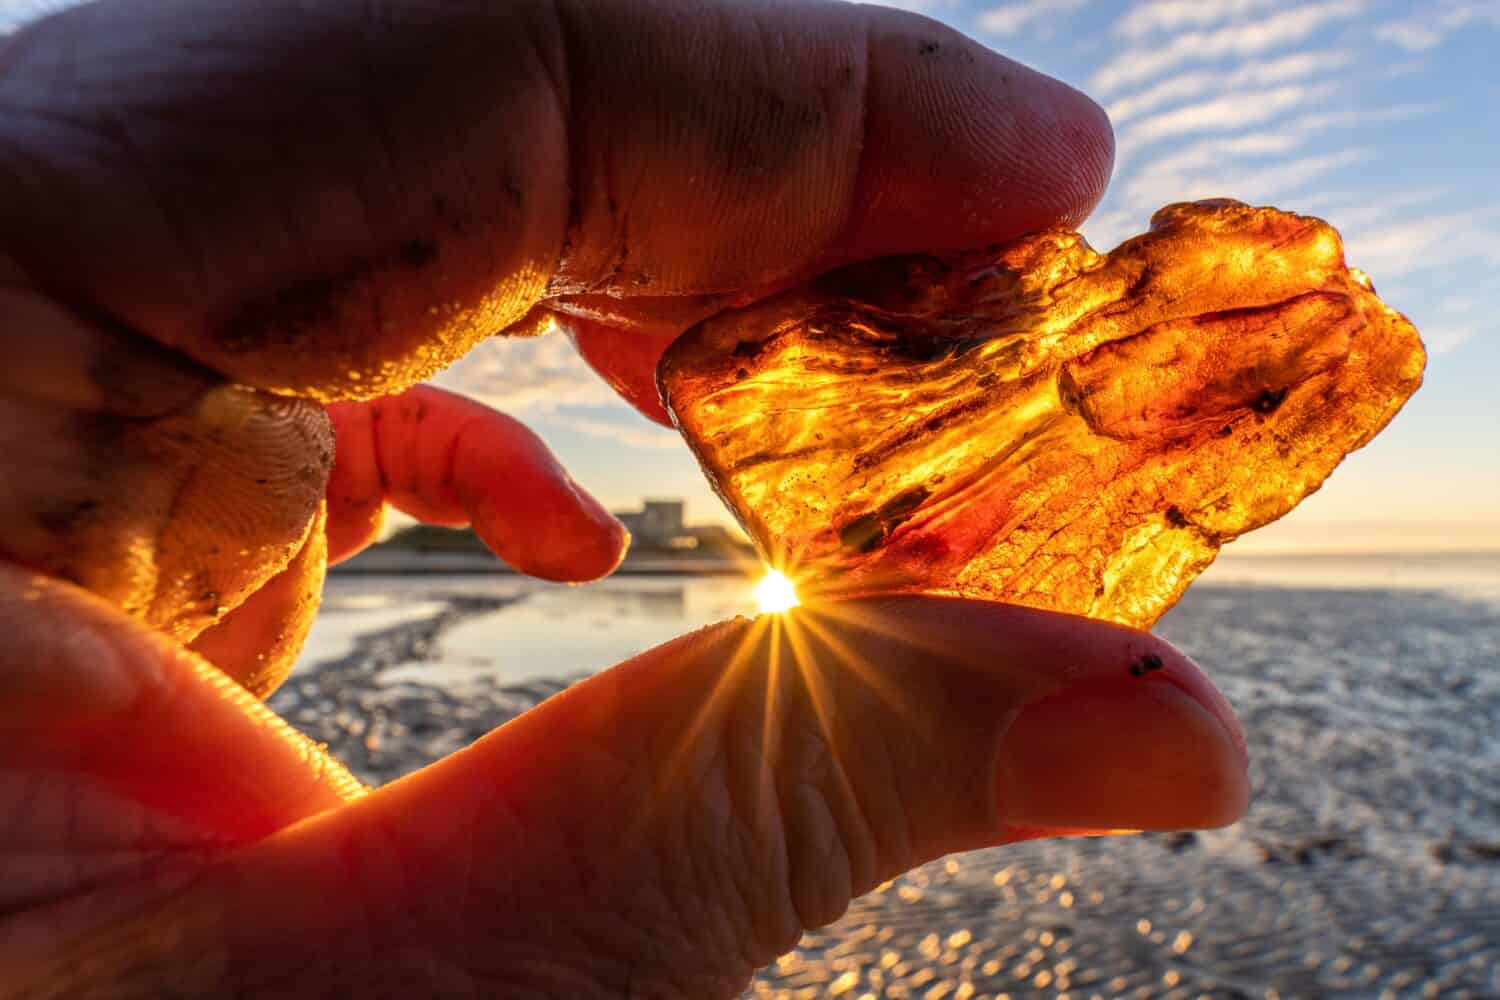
775, 593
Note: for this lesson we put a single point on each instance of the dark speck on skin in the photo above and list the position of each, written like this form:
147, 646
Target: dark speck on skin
1145, 665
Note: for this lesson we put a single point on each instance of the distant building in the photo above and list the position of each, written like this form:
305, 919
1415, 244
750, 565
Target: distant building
657, 524
657, 533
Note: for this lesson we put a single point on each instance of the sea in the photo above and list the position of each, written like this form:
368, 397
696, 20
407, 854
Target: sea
1368, 865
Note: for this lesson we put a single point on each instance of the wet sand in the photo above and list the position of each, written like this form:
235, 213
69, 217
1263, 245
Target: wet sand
1369, 865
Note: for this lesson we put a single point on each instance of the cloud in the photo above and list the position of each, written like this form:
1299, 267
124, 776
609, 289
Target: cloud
545, 381
1460, 319
1188, 85
1424, 31
918, 6
1175, 15
1214, 152
1366, 211
1226, 113
1430, 241
1447, 339
1258, 184
1146, 62
636, 434
16, 13
1255, 184
535, 375
1368, 116
1011, 18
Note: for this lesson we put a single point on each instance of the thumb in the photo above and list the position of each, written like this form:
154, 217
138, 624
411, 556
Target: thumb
670, 825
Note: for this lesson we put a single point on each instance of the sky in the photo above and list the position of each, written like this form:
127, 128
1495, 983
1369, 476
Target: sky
1379, 116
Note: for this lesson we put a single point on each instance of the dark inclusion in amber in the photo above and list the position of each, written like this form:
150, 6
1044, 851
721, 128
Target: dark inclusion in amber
1038, 423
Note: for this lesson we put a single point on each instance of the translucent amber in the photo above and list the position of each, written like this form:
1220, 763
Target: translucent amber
1040, 424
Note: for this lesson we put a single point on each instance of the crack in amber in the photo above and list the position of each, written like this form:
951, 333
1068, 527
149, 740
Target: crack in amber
1040, 424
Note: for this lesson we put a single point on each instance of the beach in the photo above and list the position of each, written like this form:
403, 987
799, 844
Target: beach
1369, 864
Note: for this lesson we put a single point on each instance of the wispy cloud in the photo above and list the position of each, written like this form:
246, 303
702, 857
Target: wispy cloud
1458, 320
1012, 18
1295, 66
1227, 113
1177, 15
920, 6
14, 13
1258, 184
1443, 339
1428, 27
1215, 153
635, 434
543, 380
1428, 241
1358, 211
535, 375
1142, 63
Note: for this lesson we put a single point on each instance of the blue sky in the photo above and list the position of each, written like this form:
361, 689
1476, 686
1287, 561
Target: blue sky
1379, 116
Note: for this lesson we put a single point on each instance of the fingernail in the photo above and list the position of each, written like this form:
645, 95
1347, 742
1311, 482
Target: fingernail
1152, 752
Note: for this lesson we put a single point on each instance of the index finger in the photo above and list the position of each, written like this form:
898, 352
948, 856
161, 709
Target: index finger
320, 200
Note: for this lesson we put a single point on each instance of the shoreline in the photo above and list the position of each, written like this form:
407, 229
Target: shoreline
417, 562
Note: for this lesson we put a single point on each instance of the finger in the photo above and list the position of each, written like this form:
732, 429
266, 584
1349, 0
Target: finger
129, 766
258, 642
451, 461
109, 712
306, 201
667, 826
624, 357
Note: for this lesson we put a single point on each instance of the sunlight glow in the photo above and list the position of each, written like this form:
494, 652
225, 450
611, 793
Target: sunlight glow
775, 593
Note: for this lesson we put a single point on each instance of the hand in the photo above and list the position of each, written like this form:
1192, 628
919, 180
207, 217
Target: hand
292, 196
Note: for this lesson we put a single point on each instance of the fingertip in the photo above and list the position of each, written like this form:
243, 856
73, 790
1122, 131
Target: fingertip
526, 508
965, 147
580, 543
626, 359
1089, 138
1113, 729
1134, 753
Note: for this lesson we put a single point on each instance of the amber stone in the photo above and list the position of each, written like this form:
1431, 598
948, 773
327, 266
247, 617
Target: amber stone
1038, 423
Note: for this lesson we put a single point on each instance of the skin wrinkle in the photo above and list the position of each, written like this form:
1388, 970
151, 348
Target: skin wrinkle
806, 762
754, 812
756, 798
703, 903
129, 868
730, 831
